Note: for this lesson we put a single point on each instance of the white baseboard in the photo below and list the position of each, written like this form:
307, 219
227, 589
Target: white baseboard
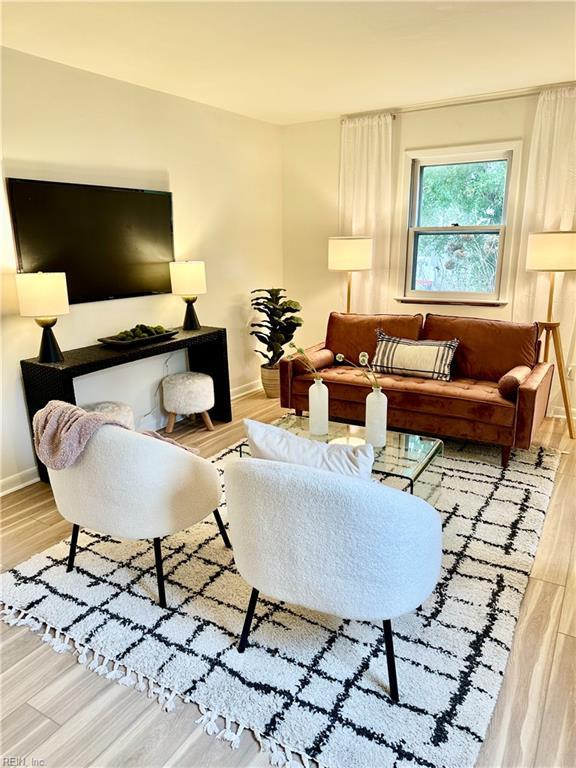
246, 389
558, 412
29, 476
19, 480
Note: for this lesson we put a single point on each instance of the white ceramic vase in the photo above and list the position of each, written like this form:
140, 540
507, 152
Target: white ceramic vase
318, 408
376, 417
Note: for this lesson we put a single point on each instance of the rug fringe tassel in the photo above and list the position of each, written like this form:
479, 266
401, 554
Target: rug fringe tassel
208, 722
129, 680
278, 755
103, 668
14, 617
169, 705
227, 734
114, 673
62, 646
82, 654
31, 622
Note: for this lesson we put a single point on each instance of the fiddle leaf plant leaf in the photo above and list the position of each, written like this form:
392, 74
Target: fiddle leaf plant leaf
279, 324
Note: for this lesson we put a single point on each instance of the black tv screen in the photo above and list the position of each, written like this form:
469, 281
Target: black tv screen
111, 242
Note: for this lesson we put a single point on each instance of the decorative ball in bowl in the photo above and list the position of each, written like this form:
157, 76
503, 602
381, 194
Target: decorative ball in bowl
139, 334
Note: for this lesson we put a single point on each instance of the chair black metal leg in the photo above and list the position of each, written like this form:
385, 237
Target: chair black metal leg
73, 542
390, 660
248, 621
222, 529
159, 573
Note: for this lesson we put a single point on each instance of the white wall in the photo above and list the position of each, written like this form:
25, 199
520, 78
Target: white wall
311, 153
224, 172
310, 200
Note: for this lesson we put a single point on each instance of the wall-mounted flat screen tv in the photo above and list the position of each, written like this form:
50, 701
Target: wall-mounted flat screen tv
111, 242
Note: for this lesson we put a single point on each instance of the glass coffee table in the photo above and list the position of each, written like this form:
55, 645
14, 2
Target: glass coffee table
404, 456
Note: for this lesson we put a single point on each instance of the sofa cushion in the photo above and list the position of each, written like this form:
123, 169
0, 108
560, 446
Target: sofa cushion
463, 397
488, 348
350, 334
405, 357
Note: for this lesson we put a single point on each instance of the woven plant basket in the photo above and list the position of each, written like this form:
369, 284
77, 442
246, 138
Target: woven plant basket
271, 381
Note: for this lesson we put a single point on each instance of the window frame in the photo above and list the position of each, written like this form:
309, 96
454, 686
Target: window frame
416, 159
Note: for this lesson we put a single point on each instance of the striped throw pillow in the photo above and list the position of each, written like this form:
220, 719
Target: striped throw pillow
403, 357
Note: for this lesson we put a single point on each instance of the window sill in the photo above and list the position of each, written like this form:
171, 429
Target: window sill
452, 302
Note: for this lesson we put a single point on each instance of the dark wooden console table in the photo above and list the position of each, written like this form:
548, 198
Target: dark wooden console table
207, 353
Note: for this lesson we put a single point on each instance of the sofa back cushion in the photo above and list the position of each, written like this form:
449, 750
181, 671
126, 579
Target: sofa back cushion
488, 348
350, 334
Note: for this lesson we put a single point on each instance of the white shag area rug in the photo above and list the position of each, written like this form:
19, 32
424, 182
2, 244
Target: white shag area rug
311, 687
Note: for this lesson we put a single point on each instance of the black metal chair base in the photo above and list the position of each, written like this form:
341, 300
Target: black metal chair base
157, 555
73, 543
391, 660
222, 529
248, 621
388, 641
159, 573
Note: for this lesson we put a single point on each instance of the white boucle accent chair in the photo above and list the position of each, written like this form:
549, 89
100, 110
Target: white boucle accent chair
331, 543
132, 486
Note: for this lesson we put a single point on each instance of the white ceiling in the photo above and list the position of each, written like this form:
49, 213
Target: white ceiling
294, 62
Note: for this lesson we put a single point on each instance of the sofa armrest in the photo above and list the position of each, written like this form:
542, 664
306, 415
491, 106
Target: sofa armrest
509, 383
533, 395
294, 365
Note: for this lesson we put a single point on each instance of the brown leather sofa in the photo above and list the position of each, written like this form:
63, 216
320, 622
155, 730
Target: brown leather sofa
498, 392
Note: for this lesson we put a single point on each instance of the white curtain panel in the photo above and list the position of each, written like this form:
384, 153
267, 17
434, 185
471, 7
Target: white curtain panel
550, 204
365, 201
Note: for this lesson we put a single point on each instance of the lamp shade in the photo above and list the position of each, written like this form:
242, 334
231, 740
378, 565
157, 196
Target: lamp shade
551, 251
350, 254
42, 294
188, 278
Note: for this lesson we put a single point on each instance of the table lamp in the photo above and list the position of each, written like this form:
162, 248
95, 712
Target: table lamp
44, 296
554, 252
350, 254
188, 279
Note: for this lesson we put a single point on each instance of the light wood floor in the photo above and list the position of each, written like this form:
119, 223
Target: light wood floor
56, 711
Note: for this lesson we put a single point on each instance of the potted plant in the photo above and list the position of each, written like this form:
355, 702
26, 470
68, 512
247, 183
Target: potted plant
275, 331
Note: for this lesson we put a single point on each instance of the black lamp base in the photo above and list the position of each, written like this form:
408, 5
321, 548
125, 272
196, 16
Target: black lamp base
49, 350
191, 322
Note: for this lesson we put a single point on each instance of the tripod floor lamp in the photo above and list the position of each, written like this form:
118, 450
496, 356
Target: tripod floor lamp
554, 252
350, 254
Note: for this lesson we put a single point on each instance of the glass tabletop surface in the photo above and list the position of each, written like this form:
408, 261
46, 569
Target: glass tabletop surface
403, 455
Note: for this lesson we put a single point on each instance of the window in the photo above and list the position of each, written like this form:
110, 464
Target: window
457, 227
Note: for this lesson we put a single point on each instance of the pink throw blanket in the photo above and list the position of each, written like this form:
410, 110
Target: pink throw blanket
62, 430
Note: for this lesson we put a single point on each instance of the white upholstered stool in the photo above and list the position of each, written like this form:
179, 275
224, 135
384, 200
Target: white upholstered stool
188, 393
113, 410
